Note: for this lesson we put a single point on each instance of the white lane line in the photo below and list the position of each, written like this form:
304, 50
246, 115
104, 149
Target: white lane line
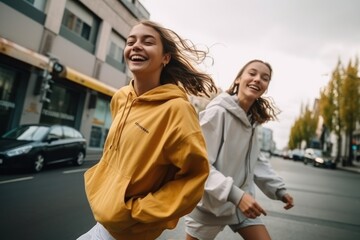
16, 180
75, 171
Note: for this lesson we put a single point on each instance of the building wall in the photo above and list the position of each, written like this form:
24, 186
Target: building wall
89, 110
19, 28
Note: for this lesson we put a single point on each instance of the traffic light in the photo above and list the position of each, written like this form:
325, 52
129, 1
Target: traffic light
46, 86
57, 68
47, 79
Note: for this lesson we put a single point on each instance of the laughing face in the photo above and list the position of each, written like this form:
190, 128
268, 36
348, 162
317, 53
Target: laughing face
254, 81
144, 52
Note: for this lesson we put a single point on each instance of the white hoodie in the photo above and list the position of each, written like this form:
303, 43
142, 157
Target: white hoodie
236, 163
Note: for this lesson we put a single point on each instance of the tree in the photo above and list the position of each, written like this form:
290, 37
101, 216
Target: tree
329, 105
304, 128
350, 104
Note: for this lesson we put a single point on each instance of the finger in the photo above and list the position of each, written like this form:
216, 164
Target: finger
263, 212
289, 203
288, 206
260, 210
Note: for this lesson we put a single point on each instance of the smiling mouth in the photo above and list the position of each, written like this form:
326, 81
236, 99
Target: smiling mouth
256, 88
138, 58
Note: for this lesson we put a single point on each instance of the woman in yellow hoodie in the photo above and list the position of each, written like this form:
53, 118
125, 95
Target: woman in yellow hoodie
154, 163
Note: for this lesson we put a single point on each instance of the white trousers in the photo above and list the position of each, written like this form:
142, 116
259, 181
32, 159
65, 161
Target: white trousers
98, 232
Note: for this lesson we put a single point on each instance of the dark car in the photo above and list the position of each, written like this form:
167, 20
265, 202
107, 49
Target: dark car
297, 154
316, 158
36, 145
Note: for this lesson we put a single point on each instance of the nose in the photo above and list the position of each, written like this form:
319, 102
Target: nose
137, 45
257, 78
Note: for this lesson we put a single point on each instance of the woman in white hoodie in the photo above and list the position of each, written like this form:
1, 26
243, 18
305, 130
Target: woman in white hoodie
229, 124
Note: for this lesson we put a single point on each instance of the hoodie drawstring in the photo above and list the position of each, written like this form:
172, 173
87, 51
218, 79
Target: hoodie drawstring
120, 126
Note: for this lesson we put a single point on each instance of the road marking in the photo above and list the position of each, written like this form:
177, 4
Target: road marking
75, 171
16, 180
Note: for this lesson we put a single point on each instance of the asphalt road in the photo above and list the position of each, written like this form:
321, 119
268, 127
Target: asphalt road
52, 205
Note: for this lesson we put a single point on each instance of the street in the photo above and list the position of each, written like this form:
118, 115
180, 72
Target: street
52, 205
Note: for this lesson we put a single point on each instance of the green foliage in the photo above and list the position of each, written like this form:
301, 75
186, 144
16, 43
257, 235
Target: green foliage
304, 128
349, 102
329, 102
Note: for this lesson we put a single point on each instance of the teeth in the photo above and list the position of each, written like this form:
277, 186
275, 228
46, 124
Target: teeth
254, 87
137, 58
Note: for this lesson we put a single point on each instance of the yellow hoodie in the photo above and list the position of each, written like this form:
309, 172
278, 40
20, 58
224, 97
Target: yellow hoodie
154, 165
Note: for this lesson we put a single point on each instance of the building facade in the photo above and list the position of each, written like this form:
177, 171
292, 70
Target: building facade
62, 60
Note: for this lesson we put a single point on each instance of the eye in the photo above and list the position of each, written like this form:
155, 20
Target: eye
149, 41
265, 78
130, 42
252, 73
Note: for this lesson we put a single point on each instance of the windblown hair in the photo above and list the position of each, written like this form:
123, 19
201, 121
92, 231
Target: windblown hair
181, 69
264, 108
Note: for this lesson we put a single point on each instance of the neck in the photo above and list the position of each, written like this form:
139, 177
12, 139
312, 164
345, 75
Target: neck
142, 86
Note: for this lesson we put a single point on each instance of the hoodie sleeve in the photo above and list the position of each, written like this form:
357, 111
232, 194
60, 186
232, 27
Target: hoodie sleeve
269, 182
217, 185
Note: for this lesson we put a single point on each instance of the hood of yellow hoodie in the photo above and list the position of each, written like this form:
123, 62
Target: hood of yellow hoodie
128, 97
160, 93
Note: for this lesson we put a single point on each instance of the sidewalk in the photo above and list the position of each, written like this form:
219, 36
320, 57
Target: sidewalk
354, 168
93, 154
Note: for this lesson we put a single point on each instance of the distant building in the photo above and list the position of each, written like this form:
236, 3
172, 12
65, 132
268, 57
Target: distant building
266, 139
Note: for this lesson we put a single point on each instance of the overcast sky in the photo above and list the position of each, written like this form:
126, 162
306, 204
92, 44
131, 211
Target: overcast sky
301, 39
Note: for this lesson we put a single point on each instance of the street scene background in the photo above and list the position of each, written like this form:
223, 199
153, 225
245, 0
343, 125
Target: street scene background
52, 205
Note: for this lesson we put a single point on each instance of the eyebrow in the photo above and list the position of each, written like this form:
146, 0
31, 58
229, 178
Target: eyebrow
264, 74
144, 36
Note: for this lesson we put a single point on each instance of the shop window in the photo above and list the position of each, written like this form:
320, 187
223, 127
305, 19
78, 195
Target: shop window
80, 26
101, 123
61, 109
8, 84
95, 137
115, 51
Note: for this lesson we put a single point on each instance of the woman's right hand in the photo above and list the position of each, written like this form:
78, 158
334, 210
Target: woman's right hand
249, 207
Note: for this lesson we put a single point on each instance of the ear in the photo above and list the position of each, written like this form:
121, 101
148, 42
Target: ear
166, 58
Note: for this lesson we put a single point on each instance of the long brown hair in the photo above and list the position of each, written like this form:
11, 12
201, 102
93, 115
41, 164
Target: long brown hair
181, 70
264, 108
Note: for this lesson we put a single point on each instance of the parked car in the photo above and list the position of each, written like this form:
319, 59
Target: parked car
297, 154
36, 145
316, 157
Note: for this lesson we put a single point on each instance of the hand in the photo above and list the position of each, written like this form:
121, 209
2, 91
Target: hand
249, 207
288, 199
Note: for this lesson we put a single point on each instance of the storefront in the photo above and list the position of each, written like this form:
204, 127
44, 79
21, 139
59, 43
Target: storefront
73, 99
13, 82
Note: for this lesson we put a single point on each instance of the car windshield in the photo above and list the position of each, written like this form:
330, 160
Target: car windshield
28, 133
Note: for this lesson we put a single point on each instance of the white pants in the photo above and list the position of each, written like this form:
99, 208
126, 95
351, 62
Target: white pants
98, 232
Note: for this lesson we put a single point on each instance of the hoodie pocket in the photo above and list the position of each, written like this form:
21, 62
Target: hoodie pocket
105, 189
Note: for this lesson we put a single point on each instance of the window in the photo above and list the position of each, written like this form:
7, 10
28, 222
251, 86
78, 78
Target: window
101, 123
68, 132
34, 9
55, 132
75, 24
115, 52
60, 109
80, 26
39, 4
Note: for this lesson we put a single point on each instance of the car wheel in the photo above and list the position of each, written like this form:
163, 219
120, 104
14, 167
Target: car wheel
79, 159
38, 163
305, 161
